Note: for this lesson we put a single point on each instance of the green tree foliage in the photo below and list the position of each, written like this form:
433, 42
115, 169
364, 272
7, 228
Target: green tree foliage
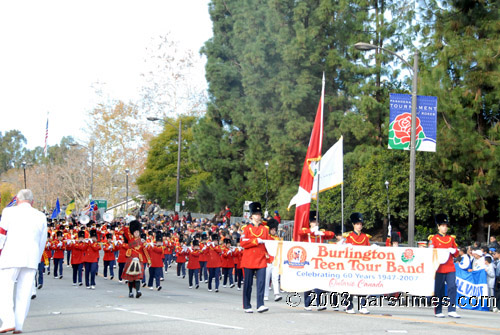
159, 179
12, 150
462, 68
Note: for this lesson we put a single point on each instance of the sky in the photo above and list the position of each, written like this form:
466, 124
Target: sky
53, 53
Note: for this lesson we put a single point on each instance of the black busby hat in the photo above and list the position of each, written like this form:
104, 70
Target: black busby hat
255, 207
167, 235
356, 217
272, 223
158, 236
395, 237
196, 243
204, 237
144, 236
313, 216
227, 240
109, 236
59, 233
215, 237
93, 233
81, 233
441, 219
134, 225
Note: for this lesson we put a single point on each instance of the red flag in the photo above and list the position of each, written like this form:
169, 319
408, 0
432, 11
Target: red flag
302, 199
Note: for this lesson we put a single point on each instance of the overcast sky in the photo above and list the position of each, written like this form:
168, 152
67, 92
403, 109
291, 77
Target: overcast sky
53, 51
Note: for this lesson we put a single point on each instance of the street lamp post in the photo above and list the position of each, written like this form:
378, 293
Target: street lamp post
91, 149
267, 166
23, 164
388, 205
126, 199
411, 197
152, 118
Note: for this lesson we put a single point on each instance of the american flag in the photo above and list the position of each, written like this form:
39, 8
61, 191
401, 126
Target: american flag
46, 137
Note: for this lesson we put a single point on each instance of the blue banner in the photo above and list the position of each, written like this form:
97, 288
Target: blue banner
400, 122
472, 289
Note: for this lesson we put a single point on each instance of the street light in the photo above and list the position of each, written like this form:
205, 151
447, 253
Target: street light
411, 202
126, 199
91, 149
388, 206
153, 119
23, 164
267, 166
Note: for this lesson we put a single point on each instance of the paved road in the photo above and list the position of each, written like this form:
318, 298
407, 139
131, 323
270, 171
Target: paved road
61, 308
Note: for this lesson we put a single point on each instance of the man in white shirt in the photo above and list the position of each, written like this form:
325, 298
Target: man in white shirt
23, 234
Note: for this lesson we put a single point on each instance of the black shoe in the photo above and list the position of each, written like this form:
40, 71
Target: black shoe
138, 294
216, 290
60, 277
39, 286
80, 284
143, 284
183, 276
159, 288
197, 286
111, 278
130, 295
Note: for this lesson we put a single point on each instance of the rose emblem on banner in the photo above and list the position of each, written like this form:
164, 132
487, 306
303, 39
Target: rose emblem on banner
400, 132
407, 256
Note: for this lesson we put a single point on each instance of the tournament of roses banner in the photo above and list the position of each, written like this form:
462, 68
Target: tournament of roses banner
356, 269
400, 122
472, 288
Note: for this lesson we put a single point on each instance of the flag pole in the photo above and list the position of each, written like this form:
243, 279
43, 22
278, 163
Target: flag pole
319, 162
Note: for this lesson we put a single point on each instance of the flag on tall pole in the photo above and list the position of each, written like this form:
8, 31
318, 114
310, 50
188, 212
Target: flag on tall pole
302, 200
56, 211
71, 206
46, 136
332, 169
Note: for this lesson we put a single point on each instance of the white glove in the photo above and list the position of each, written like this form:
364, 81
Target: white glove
452, 250
59, 244
319, 233
375, 246
315, 229
259, 240
204, 248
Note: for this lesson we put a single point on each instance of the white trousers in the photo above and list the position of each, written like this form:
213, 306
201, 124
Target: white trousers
23, 278
272, 273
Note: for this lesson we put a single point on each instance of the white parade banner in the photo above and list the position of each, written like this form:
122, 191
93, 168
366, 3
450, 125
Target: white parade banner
359, 270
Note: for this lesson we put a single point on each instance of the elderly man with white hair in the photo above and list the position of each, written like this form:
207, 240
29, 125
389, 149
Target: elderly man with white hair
23, 233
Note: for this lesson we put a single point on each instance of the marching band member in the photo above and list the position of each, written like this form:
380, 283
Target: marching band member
57, 246
314, 235
109, 256
272, 272
91, 258
133, 268
214, 262
356, 237
238, 271
77, 249
168, 248
445, 273
194, 264
227, 262
44, 263
255, 258
122, 259
203, 258
156, 254
181, 252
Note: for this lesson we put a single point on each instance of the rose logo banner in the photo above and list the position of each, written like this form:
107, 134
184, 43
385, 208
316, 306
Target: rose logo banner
356, 269
400, 122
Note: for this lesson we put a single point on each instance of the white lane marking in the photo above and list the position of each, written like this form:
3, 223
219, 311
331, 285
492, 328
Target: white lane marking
195, 321
180, 319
